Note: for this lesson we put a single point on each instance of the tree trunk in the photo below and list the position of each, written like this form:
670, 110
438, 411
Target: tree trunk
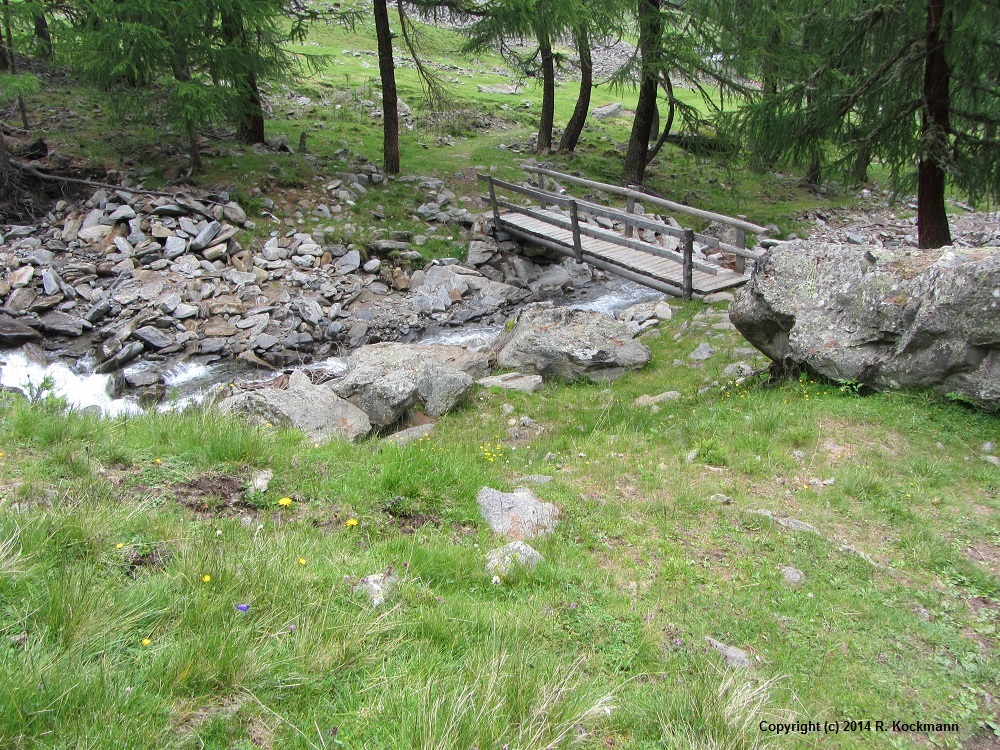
548, 93
43, 36
12, 63
575, 125
814, 174
251, 127
932, 220
192, 135
668, 88
650, 26
387, 72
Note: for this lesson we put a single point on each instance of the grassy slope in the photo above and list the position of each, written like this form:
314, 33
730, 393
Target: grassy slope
103, 554
643, 565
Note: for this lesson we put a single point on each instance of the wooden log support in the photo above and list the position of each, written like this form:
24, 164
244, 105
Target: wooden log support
574, 216
541, 186
688, 245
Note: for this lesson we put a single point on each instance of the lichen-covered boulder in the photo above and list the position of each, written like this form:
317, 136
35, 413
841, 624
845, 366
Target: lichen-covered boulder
386, 380
557, 342
314, 409
885, 318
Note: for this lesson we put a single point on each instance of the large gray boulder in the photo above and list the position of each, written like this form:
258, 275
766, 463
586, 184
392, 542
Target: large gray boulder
314, 409
386, 380
558, 342
885, 318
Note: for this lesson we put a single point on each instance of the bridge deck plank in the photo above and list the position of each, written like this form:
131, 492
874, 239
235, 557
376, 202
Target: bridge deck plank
655, 267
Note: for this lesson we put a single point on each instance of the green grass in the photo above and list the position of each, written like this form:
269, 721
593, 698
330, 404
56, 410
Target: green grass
108, 528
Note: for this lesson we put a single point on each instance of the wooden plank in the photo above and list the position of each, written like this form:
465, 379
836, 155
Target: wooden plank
636, 265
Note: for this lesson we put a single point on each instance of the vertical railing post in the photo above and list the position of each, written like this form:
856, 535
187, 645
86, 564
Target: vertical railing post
688, 263
741, 241
630, 209
577, 244
493, 202
541, 186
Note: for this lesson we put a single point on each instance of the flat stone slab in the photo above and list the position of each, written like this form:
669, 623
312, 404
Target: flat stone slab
517, 515
410, 434
513, 381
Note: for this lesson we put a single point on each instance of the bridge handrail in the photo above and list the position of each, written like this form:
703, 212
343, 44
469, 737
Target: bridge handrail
685, 257
630, 220
640, 196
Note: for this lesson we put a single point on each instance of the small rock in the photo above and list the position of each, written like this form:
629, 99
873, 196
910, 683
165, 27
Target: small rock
206, 235
663, 311
796, 525
721, 499
409, 435
793, 576
153, 337
735, 657
519, 554
260, 481
647, 400
513, 381
234, 213
703, 352
348, 263
372, 266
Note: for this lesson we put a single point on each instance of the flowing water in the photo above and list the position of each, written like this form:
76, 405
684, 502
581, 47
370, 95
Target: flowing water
191, 382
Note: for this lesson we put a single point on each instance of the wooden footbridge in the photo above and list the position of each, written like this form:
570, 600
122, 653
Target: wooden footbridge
569, 226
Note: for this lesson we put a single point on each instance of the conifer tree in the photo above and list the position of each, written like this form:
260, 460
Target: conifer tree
910, 84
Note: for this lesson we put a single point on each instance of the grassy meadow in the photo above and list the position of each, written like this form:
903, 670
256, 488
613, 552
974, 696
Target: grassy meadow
148, 601
126, 546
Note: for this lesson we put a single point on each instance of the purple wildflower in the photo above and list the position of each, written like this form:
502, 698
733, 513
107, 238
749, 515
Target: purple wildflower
243, 607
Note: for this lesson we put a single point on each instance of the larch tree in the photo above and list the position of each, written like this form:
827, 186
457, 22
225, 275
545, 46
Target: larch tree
911, 85
193, 62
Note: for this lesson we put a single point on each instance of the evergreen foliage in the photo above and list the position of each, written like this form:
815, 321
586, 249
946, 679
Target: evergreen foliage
194, 62
912, 85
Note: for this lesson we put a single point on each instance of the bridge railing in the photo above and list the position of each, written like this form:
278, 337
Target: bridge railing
578, 230
743, 228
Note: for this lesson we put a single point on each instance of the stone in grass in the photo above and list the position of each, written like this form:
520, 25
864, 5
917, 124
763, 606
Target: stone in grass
735, 657
512, 381
518, 514
703, 352
792, 576
647, 400
410, 434
721, 499
789, 523
260, 481
516, 554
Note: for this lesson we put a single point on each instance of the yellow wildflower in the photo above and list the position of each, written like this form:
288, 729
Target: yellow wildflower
157, 460
119, 545
206, 578
302, 561
146, 641
351, 522
285, 502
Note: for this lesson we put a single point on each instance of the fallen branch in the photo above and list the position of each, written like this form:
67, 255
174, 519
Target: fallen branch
104, 185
